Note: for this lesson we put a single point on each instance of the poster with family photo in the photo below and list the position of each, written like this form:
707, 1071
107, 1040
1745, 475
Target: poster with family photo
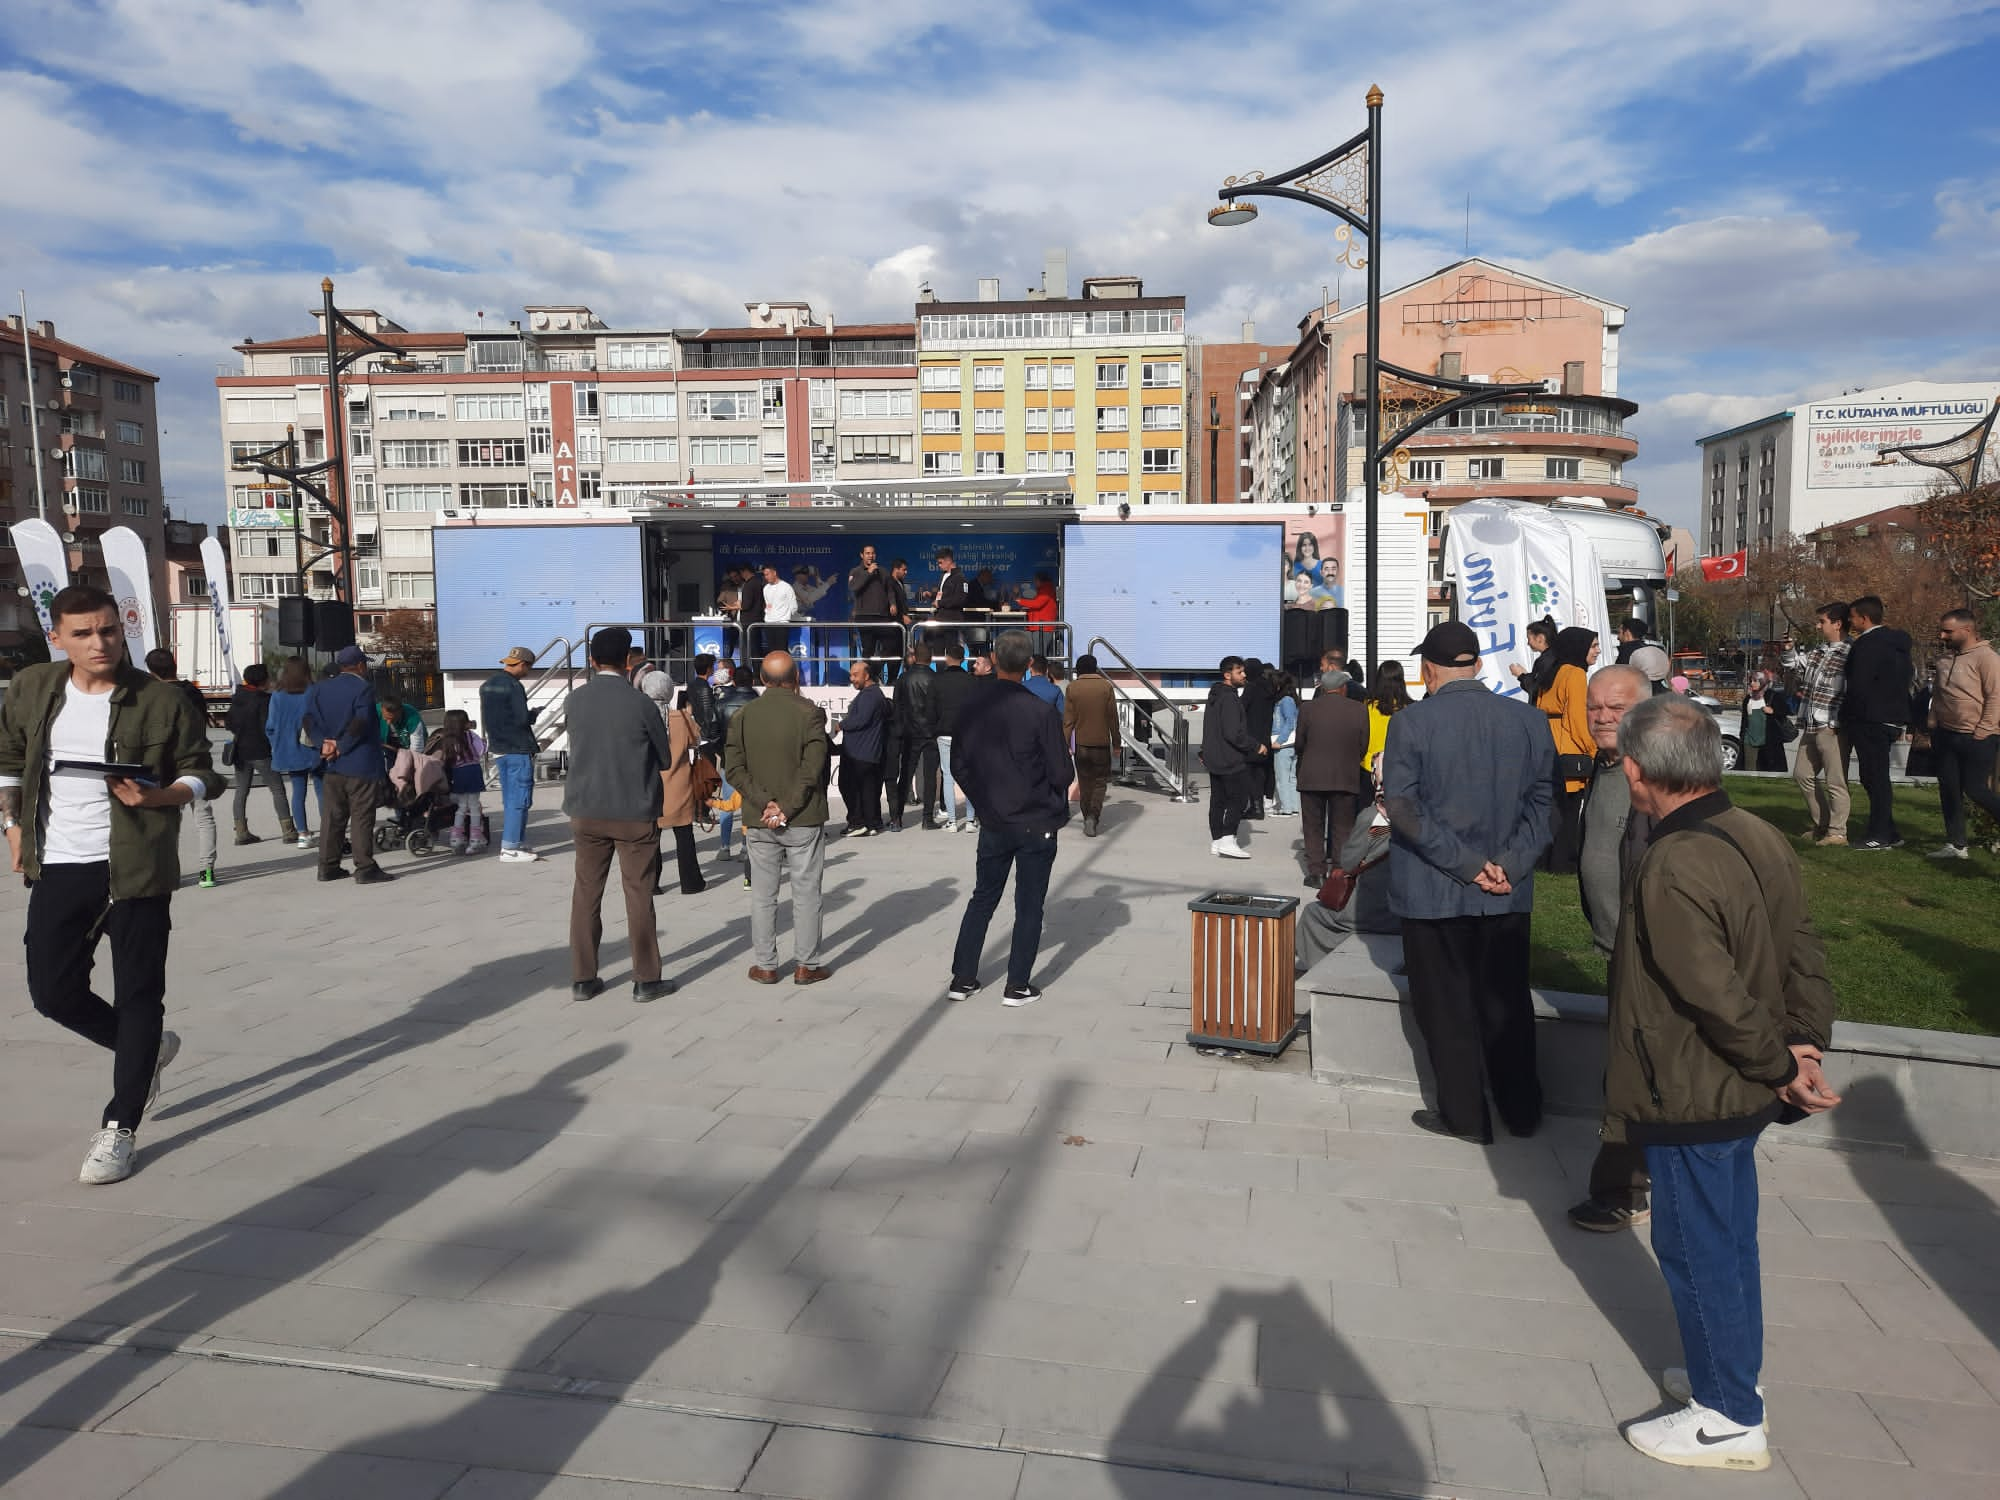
1312, 562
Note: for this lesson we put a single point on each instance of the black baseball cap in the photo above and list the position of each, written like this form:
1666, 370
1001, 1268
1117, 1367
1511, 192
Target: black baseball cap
1449, 645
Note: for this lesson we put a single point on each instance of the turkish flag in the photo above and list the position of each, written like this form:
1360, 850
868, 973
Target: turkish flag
1732, 566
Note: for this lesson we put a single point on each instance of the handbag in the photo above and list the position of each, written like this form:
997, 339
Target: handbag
1575, 767
707, 780
1338, 888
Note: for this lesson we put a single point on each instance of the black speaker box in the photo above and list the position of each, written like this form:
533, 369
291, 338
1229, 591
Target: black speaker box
295, 620
333, 624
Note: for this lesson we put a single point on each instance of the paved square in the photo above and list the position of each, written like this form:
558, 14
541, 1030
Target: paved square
408, 1222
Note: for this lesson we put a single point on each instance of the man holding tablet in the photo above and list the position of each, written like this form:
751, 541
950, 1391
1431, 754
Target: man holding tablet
96, 760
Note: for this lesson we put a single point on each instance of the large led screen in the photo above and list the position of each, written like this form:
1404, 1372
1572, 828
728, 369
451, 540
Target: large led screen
1175, 595
505, 586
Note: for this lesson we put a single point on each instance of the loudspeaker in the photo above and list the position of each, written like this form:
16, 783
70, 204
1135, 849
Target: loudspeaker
295, 620
1332, 629
333, 624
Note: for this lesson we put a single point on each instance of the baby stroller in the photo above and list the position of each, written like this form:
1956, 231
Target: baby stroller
423, 803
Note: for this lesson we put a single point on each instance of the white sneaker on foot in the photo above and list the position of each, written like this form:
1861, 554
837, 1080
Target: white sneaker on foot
1228, 849
170, 1048
519, 857
113, 1153
1950, 851
1674, 1381
1696, 1438
308, 840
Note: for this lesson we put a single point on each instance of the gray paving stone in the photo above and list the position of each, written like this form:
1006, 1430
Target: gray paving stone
506, 1484
40, 1464
813, 1465
1874, 1364
1180, 1103
69, 1388
435, 1270
442, 1331
1825, 1477
1045, 1477
903, 1261
1936, 1435
209, 1471
1487, 1450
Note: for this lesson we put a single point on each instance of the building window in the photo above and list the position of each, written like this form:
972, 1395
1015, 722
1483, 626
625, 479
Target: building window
535, 402
1160, 418
1114, 461
989, 463
585, 397
308, 364
589, 445
942, 378
408, 541
488, 408
415, 497
1617, 472
1060, 461
876, 447
540, 441
131, 433
1112, 497
1048, 376
773, 400
944, 463
78, 378
1426, 471
266, 585
1560, 468
989, 419
492, 453
87, 463
721, 406
1111, 375
364, 494
543, 489
1113, 418
1065, 418
411, 409
649, 355
989, 377
368, 577
642, 450
721, 452
131, 471
1160, 372
589, 486
1160, 461
125, 390
1037, 418
638, 406
1486, 468
409, 588
417, 453
256, 544
135, 505
942, 419
866, 404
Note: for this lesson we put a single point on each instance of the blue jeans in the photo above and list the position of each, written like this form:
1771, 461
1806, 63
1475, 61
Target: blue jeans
299, 780
1031, 856
516, 774
726, 822
1285, 766
950, 787
1705, 1234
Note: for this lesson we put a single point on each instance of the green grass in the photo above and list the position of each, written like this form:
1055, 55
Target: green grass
1909, 941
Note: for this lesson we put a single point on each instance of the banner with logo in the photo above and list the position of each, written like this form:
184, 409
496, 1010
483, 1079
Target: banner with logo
132, 586
44, 569
1514, 562
215, 568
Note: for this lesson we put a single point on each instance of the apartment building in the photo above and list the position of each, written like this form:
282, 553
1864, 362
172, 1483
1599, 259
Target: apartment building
553, 415
1094, 386
100, 440
1224, 375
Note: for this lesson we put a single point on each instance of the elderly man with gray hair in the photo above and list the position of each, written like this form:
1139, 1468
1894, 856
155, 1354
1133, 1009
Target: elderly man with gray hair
1719, 1010
1331, 742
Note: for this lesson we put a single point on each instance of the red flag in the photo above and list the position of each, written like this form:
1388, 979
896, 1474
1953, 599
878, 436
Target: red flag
1732, 566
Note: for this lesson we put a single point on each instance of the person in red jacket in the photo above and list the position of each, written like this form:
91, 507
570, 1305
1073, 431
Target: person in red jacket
1040, 606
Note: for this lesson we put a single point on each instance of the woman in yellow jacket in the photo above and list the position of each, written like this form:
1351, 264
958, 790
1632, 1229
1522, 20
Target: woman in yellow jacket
1575, 651
1390, 693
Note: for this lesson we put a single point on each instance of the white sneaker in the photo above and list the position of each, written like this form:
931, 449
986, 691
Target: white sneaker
113, 1153
308, 840
1950, 851
519, 857
1696, 1438
948, 826
170, 1048
1674, 1381
1229, 849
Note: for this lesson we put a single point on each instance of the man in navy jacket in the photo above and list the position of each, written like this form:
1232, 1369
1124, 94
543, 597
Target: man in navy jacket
1875, 711
341, 714
1468, 778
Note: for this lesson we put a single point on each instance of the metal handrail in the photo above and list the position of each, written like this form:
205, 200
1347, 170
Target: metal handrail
1175, 770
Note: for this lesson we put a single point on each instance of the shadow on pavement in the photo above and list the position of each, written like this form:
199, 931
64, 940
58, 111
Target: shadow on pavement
896, 911
1109, 915
199, 1282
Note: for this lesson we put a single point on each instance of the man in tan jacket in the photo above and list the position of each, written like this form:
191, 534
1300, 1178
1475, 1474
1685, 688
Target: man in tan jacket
1965, 727
1090, 720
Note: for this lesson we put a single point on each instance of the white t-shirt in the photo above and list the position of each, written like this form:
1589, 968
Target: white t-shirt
78, 831
781, 602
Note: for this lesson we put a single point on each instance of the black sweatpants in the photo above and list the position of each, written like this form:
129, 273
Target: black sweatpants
1229, 795
1469, 992
69, 909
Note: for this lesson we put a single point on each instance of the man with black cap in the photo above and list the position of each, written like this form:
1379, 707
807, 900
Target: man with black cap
341, 714
1467, 778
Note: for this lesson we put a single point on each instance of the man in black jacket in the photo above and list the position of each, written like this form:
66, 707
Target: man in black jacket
954, 686
247, 708
1230, 756
874, 600
701, 697
916, 716
1876, 711
1260, 707
1010, 757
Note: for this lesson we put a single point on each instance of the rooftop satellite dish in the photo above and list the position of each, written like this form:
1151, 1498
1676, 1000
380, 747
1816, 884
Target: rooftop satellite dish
763, 309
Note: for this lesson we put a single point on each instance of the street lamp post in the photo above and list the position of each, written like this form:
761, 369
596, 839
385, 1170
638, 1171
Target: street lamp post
1347, 183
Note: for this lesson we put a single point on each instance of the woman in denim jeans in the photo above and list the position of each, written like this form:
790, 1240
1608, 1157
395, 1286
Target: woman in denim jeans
1284, 746
297, 762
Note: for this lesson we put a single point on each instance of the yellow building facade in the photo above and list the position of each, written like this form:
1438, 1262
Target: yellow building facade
1095, 388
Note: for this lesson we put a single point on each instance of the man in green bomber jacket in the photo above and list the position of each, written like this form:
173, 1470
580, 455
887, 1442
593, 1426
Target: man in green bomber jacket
1719, 1010
101, 854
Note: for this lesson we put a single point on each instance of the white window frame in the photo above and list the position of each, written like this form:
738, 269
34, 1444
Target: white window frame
1160, 418
1114, 461
944, 464
726, 452
901, 447
401, 408
944, 419
642, 450
1112, 374
492, 453
1035, 419
1480, 470
1159, 374
1159, 461
993, 462
640, 354
415, 499
490, 406
989, 419
742, 406
1114, 419
1065, 418
415, 453
638, 406
989, 377
943, 378
1563, 469
877, 404
131, 471
1426, 471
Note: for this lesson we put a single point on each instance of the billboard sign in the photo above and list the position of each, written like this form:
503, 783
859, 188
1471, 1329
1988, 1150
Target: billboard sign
1843, 437
260, 520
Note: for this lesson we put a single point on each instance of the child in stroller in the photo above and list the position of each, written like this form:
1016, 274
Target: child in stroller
423, 803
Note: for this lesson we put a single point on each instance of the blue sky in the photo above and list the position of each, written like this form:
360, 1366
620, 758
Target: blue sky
1793, 196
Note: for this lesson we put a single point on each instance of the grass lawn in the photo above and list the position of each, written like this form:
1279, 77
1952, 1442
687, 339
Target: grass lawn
1909, 941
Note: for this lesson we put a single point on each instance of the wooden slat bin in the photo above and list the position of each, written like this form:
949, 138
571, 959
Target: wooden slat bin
1243, 971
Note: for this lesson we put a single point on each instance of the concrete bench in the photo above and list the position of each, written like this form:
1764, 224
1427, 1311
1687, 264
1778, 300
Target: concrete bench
1934, 1091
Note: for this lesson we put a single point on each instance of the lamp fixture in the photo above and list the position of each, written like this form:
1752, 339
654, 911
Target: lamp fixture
1231, 212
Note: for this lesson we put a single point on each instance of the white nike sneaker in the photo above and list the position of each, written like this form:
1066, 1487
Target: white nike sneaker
519, 857
1696, 1438
1674, 1381
113, 1154
1229, 849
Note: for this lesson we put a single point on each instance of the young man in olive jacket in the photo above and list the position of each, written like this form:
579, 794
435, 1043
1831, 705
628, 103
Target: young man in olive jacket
1719, 1010
101, 854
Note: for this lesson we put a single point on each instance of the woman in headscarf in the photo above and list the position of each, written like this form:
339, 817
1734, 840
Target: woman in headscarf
1766, 711
1574, 651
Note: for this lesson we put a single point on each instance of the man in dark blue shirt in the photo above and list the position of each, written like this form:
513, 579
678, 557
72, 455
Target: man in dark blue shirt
510, 734
342, 715
1010, 756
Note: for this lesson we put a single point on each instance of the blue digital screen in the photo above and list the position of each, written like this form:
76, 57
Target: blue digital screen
504, 586
1173, 594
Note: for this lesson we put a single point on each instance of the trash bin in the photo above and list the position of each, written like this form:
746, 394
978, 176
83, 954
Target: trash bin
1244, 994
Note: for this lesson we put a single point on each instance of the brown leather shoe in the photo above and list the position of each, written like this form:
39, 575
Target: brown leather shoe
804, 975
763, 976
